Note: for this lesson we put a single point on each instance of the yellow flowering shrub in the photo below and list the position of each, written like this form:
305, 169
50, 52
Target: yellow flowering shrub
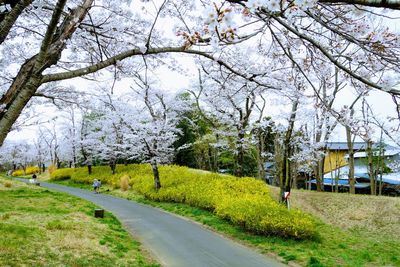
52, 168
244, 201
124, 182
29, 170
61, 174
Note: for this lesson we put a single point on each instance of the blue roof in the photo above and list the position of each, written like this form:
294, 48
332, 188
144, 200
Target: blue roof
345, 182
356, 146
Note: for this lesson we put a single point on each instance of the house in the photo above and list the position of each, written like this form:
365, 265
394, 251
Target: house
336, 152
390, 181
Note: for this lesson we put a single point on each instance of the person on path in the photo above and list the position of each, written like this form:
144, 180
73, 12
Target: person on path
96, 186
34, 177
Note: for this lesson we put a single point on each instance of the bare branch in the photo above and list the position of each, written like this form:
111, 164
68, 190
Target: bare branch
324, 51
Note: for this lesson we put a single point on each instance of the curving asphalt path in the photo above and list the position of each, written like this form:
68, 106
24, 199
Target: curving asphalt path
172, 240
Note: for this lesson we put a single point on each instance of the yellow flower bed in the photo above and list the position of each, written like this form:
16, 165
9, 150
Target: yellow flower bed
244, 201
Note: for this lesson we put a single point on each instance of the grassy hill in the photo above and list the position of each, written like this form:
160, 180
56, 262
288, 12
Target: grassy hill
39, 227
351, 230
376, 215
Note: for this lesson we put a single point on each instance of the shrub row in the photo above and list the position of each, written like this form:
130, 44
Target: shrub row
244, 201
29, 170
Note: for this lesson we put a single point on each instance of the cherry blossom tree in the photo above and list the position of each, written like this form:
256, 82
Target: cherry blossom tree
232, 102
152, 125
70, 39
19, 154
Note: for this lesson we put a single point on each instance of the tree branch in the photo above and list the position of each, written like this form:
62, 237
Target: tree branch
134, 52
317, 45
9, 19
392, 4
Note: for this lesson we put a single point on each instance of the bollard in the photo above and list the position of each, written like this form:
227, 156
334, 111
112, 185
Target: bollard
99, 213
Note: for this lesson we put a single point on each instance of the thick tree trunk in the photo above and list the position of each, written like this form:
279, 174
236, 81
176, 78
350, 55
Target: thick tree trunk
89, 167
156, 175
29, 77
16, 105
8, 20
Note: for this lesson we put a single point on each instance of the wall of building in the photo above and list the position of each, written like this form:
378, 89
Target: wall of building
334, 160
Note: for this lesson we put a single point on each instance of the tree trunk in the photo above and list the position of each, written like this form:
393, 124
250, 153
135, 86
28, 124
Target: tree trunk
113, 166
286, 182
156, 175
29, 77
8, 20
210, 159
381, 162
260, 158
74, 158
89, 166
239, 158
287, 152
319, 175
43, 167
352, 181
371, 171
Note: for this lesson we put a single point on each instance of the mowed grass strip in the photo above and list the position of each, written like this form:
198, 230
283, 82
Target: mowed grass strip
354, 230
39, 227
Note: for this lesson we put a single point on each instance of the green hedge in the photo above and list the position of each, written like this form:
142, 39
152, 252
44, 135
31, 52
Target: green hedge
244, 201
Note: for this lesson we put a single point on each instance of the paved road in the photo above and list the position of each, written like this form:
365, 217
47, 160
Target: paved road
173, 241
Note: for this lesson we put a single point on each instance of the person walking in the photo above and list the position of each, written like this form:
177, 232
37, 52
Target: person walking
96, 186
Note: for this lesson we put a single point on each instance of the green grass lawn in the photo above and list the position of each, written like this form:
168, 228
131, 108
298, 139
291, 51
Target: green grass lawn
39, 227
354, 230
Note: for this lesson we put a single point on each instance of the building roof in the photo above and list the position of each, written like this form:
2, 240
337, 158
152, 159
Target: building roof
356, 146
344, 146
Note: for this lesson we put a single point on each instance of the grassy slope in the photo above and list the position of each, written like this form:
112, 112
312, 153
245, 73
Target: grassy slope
39, 227
361, 244
354, 230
